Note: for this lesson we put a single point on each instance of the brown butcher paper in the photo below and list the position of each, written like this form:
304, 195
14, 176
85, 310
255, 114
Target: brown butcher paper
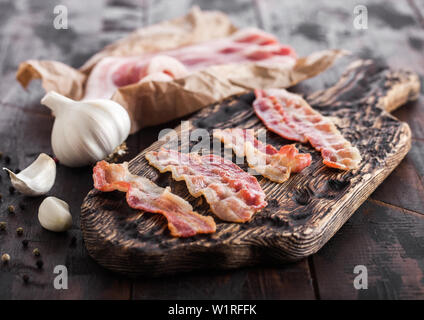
152, 103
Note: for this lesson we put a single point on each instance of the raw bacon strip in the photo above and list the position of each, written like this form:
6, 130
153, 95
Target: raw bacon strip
273, 164
291, 117
233, 195
158, 65
143, 194
247, 45
114, 72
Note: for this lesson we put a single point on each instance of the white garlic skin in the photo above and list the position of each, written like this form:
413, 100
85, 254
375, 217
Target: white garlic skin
36, 179
86, 131
54, 215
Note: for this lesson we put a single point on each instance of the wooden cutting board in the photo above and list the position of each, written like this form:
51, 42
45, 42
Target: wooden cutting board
302, 214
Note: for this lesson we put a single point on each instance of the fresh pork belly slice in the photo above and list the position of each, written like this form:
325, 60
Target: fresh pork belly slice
129, 73
276, 165
114, 72
291, 117
143, 194
246, 45
233, 195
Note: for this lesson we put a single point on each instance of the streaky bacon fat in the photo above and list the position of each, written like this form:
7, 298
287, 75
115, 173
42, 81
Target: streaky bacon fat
143, 194
291, 117
271, 163
233, 195
246, 45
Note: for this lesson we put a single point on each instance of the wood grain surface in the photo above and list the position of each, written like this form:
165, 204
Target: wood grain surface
303, 213
385, 234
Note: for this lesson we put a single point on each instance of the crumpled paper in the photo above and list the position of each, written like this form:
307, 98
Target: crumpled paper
152, 103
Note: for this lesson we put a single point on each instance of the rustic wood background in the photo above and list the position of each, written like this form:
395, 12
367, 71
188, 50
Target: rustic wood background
386, 234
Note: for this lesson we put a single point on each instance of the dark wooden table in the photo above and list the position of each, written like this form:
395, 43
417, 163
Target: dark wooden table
386, 234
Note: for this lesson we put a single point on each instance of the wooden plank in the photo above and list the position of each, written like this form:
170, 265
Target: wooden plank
291, 281
90, 28
418, 9
86, 278
403, 187
160, 10
388, 241
25, 128
413, 113
241, 12
309, 27
417, 157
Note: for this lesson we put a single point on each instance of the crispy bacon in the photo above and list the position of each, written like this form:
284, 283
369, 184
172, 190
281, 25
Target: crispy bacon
273, 164
246, 45
291, 117
233, 195
143, 194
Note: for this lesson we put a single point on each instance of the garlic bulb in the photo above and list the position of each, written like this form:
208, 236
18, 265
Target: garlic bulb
37, 179
54, 214
86, 131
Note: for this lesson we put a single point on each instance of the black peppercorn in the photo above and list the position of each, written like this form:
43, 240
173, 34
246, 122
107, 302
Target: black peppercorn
25, 278
20, 231
11, 190
39, 264
36, 252
5, 258
22, 206
25, 243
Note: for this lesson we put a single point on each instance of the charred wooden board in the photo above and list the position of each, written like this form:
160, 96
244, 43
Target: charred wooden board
303, 213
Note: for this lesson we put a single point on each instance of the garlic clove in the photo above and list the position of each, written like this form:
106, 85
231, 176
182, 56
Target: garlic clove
54, 215
86, 131
37, 179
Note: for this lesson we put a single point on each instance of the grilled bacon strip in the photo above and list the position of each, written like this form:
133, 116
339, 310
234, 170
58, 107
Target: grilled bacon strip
271, 163
291, 117
233, 195
143, 194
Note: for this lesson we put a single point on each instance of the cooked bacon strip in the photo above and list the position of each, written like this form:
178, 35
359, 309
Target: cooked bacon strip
143, 194
233, 195
291, 117
247, 45
273, 164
